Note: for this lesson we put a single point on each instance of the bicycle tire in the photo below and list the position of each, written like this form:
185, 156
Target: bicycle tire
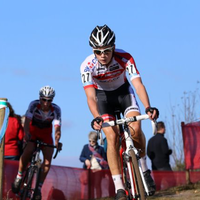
31, 182
35, 185
27, 183
126, 180
137, 177
24, 190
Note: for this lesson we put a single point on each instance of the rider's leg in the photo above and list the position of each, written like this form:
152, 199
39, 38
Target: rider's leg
26, 156
47, 157
24, 159
113, 156
138, 138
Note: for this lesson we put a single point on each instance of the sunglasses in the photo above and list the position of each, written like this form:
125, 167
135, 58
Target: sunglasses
104, 51
48, 100
92, 141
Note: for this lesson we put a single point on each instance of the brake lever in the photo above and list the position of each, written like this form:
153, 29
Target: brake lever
57, 151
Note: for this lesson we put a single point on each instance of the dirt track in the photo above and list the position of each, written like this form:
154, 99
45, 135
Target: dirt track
186, 192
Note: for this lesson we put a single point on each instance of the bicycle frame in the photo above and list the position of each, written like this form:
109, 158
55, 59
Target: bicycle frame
34, 168
128, 145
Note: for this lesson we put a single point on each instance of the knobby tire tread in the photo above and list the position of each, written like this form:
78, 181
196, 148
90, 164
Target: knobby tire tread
28, 180
137, 176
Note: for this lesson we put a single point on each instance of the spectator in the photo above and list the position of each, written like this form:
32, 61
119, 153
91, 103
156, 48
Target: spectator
94, 157
158, 150
13, 136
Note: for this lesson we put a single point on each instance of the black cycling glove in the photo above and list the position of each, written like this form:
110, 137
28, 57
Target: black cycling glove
151, 109
98, 120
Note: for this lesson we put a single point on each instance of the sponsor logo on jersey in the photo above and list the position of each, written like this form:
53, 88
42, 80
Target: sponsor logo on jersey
111, 75
90, 64
94, 61
114, 67
131, 108
86, 69
109, 80
101, 69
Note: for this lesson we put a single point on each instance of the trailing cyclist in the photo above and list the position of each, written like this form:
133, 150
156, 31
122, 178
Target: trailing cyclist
107, 88
38, 125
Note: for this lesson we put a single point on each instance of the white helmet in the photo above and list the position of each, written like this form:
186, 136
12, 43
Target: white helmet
47, 92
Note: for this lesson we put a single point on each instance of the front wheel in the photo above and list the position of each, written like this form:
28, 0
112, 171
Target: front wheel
30, 183
132, 178
36, 181
137, 180
25, 186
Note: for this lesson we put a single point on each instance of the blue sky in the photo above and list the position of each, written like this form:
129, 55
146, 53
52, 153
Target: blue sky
45, 42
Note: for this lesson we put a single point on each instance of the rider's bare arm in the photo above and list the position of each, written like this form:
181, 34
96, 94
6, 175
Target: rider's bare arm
26, 128
57, 135
142, 94
141, 91
92, 101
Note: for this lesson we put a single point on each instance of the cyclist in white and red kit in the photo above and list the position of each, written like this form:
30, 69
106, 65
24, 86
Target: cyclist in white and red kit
107, 88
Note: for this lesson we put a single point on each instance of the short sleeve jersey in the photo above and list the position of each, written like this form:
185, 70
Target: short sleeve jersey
42, 120
110, 77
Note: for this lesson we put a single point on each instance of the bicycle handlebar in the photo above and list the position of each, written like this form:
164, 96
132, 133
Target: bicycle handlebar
130, 119
48, 145
55, 155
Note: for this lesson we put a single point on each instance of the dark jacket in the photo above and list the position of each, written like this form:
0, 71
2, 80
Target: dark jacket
87, 154
158, 151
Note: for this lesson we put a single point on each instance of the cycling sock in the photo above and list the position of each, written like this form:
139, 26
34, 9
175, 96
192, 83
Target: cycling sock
143, 164
19, 175
117, 179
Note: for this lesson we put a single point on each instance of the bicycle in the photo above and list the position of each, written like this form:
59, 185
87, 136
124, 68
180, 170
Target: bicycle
30, 180
133, 178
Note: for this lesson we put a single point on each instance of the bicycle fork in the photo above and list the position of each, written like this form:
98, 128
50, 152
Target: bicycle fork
130, 145
143, 180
